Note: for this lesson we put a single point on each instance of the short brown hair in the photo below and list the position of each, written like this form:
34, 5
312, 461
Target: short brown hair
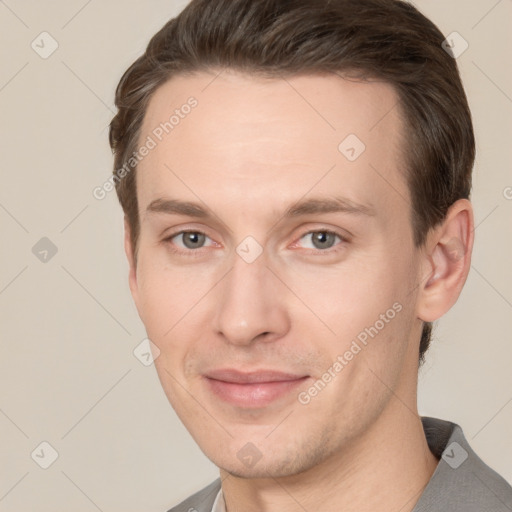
389, 40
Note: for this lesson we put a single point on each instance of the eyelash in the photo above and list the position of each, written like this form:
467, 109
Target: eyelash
199, 252
195, 253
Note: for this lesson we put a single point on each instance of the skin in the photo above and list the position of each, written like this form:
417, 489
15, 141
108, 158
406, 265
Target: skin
252, 148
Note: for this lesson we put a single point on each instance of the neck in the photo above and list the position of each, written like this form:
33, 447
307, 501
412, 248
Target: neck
386, 469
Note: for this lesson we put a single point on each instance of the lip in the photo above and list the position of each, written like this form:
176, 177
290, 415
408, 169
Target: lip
254, 389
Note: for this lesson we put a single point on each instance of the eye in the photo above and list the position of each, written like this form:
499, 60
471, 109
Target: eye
189, 239
321, 240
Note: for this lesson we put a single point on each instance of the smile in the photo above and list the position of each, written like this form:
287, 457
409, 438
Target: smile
254, 389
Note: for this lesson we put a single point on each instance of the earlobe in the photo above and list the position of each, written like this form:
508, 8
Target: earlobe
447, 259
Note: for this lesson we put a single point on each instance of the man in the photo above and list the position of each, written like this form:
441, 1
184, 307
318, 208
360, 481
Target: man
295, 179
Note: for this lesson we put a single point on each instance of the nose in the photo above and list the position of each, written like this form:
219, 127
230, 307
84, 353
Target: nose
251, 304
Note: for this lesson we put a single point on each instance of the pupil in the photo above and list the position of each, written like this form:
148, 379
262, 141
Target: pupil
322, 239
193, 240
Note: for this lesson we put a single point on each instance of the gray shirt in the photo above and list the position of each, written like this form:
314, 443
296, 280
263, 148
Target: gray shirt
462, 482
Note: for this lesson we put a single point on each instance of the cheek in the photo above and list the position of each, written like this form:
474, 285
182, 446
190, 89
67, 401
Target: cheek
371, 319
368, 309
352, 296
173, 303
164, 296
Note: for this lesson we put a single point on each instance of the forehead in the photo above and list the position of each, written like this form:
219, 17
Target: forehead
269, 142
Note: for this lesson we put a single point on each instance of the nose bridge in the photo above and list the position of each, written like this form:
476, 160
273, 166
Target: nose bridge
250, 302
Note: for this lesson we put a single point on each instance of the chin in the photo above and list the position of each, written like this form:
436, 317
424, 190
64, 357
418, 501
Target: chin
259, 471
277, 465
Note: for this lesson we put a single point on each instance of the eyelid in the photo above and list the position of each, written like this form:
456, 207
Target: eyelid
173, 231
183, 231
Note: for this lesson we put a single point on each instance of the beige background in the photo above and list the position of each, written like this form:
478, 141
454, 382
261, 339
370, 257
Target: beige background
69, 328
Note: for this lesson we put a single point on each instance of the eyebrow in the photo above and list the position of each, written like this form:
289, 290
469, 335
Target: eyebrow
329, 205
302, 207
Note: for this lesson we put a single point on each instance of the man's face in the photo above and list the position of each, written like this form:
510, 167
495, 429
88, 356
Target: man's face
254, 307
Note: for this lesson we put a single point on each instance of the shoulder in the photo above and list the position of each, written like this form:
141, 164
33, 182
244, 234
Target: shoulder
462, 480
201, 501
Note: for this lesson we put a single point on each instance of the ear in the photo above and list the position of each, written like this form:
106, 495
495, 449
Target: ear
446, 261
130, 255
